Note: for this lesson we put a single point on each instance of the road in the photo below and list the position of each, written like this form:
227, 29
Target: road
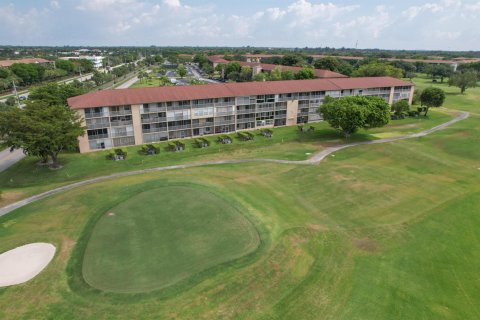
314, 160
85, 77
8, 158
128, 83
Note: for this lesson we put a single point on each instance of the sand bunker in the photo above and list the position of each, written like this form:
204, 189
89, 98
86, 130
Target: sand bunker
23, 263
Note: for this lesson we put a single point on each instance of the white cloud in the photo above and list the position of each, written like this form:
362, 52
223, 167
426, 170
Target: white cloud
55, 4
275, 13
172, 3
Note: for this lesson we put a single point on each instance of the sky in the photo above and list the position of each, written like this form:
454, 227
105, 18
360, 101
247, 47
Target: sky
408, 24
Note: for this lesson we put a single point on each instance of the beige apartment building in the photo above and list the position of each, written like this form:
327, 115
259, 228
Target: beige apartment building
125, 117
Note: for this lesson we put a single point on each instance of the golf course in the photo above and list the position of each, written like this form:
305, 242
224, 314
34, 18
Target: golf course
374, 231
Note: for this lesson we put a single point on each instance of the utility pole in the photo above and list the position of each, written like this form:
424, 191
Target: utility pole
16, 93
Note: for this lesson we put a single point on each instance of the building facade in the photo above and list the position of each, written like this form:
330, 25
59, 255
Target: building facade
116, 118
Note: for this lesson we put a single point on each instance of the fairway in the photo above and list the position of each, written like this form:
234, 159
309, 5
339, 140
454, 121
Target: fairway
162, 236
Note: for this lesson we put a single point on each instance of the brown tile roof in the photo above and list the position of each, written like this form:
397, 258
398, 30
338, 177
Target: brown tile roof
319, 73
8, 63
162, 94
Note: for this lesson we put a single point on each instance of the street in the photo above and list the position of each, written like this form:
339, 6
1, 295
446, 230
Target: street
8, 158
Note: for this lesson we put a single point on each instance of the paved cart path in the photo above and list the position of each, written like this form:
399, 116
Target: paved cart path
315, 159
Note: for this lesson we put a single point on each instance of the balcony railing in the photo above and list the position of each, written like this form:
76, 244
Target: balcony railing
182, 127
202, 124
221, 123
154, 110
121, 134
245, 111
153, 130
154, 120
245, 120
95, 115
225, 113
98, 125
98, 136
121, 113
121, 123
265, 109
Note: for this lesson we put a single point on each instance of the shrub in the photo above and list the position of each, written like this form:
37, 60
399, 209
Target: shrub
149, 149
176, 146
245, 136
117, 154
224, 139
201, 143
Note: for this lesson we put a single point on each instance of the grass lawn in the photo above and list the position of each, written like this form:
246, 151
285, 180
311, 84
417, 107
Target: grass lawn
149, 82
162, 236
287, 143
383, 231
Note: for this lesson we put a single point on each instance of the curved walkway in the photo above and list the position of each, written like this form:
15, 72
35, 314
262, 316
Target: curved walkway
315, 159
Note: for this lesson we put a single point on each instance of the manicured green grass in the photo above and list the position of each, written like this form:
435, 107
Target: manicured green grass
162, 236
468, 101
149, 82
383, 231
287, 143
379, 231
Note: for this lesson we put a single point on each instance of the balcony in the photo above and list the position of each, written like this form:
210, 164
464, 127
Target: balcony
95, 115
153, 130
225, 113
121, 113
181, 127
265, 109
121, 123
98, 125
98, 136
121, 134
202, 124
154, 110
245, 111
154, 120
221, 123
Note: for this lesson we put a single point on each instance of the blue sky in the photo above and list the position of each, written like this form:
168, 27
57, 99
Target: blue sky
434, 24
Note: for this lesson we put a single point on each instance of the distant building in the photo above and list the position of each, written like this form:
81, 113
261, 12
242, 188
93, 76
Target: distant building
258, 67
126, 117
97, 61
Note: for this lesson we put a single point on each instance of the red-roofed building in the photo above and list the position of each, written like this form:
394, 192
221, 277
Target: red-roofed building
125, 117
266, 67
8, 63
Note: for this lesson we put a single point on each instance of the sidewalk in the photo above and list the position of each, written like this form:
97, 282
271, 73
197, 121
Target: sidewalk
8, 158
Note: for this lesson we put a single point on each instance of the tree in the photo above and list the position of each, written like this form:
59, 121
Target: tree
432, 97
463, 80
56, 94
333, 64
233, 67
66, 65
28, 73
400, 107
351, 113
442, 71
305, 73
41, 130
259, 77
288, 75
181, 71
246, 74
276, 74
292, 59
4, 73
378, 69
233, 76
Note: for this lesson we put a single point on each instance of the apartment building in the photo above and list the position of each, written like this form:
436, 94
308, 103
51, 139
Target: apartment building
125, 117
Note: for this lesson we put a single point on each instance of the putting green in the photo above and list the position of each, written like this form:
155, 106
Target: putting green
162, 236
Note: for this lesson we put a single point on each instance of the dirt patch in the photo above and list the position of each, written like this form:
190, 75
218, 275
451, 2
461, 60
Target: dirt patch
10, 197
366, 244
67, 245
316, 227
